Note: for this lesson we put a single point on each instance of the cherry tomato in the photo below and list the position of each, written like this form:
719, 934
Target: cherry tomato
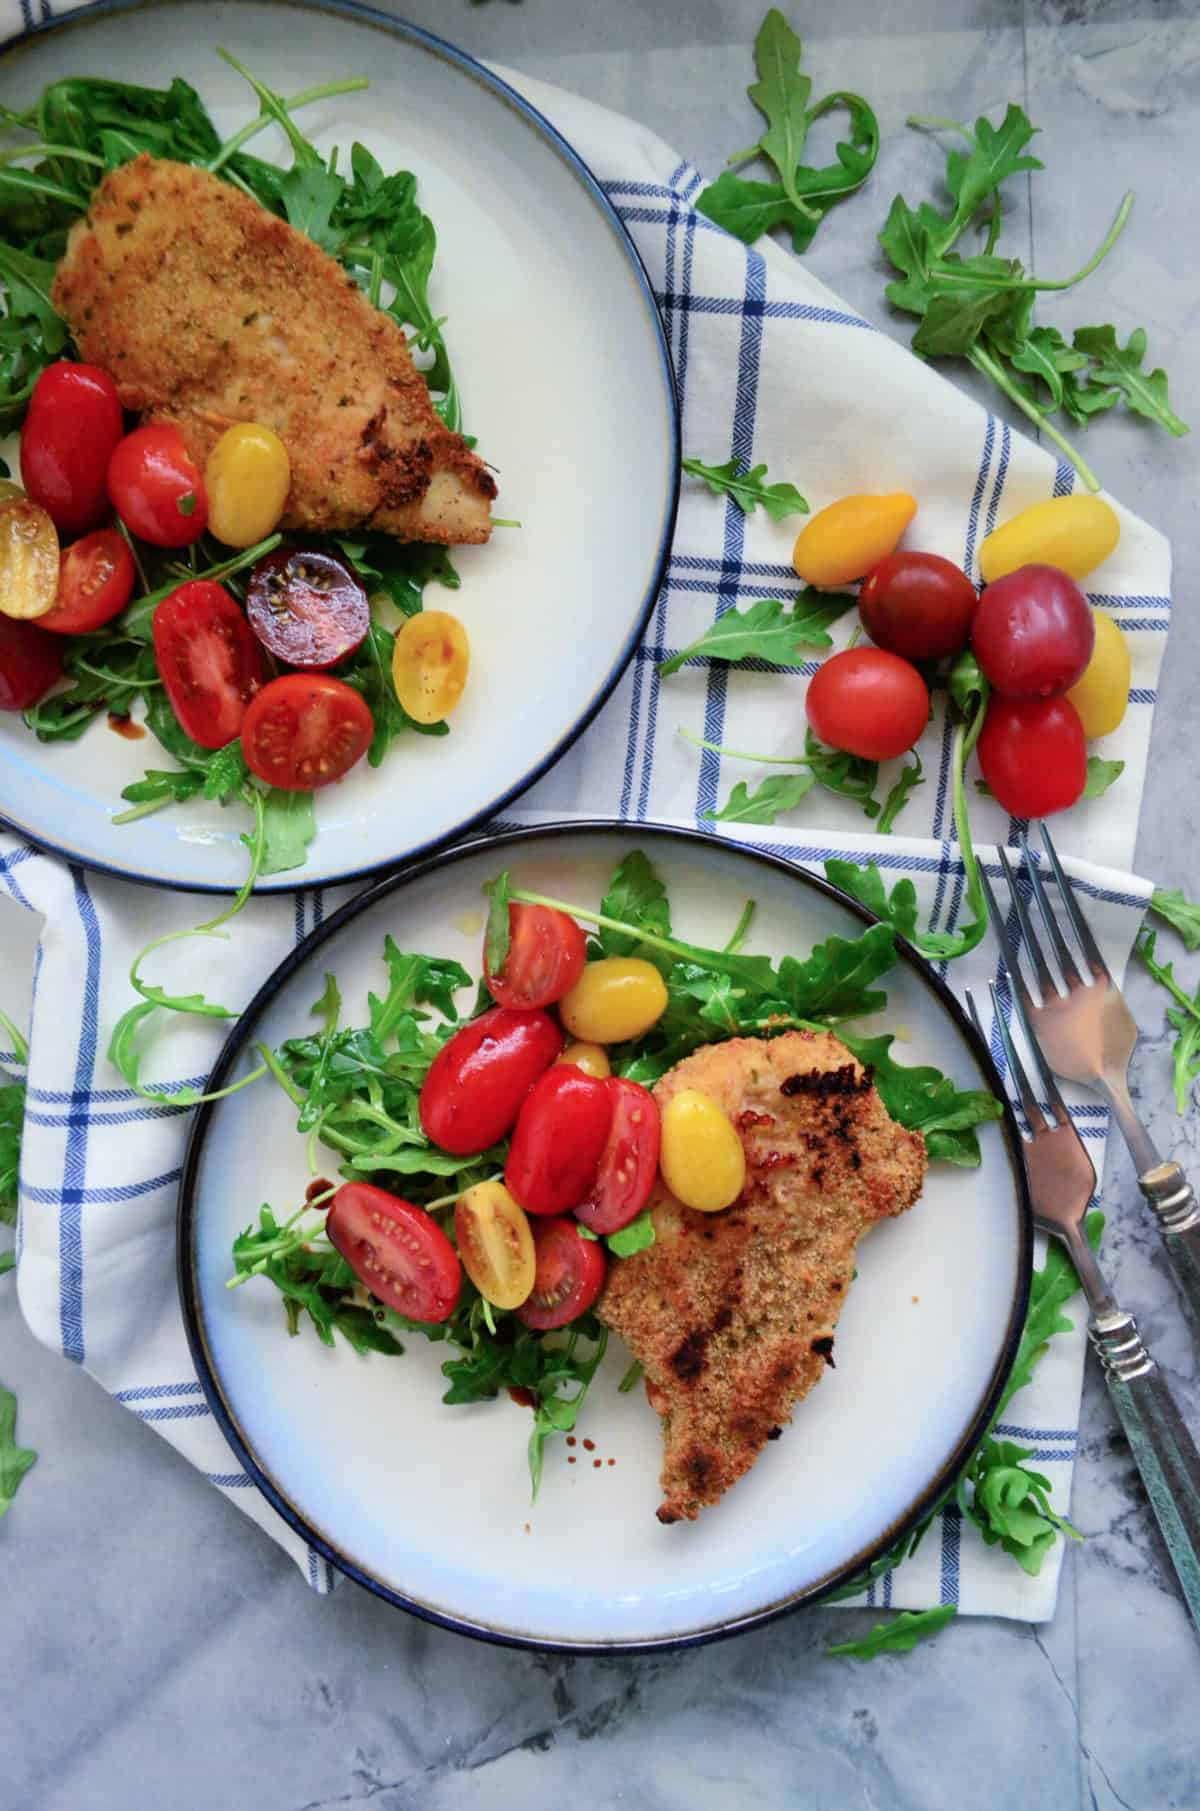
1033, 754
479, 1078
400, 1254
1073, 533
591, 1058
629, 1162
28, 560
849, 538
429, 665
546, 954
868, 702
1102, 696
156, 489
570, 1273
247, 478
30, 662
95, 581
1033, 633
72, 425
306, 607
918, 605
306, 730
495, 1244
558, 1139
209, 661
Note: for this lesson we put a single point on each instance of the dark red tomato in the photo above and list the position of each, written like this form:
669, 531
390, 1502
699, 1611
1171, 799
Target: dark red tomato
918, 605
570, 1272
400, 1254
155, 488
1033, 633
868, 702
306, 730
209, 661
30, 662
546, 954
72, 425
1033, 754
629, 1163
95, 580
477, 1080
306, 607
558, 1140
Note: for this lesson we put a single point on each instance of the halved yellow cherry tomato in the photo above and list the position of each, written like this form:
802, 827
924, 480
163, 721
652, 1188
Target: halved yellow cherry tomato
616, 998
1102, 696
28, 559
247, 479
702, 1159
429, 665
847, 539
495, 1244
1072, 533
591, 1058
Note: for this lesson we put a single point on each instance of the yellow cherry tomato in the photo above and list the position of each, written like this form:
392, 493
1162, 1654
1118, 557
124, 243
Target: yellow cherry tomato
9, 490
591, 1058
429, 665
247, 478
28, 559
1072, 533
616, 998
1102, 695
702, 1159
495, 1244
847, 539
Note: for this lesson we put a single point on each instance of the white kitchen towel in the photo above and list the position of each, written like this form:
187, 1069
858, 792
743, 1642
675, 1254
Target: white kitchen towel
771, 367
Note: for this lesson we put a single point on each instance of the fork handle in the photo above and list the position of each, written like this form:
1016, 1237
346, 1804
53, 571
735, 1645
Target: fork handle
1163, 1449
1170, 1194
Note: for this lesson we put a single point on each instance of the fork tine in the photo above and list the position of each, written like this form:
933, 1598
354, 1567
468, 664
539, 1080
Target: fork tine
1047, 985
1066, 960
1029, 1100
1002, 938
1079, 924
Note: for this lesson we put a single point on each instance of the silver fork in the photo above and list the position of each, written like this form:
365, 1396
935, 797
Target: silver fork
1061, 1183
1088, 1035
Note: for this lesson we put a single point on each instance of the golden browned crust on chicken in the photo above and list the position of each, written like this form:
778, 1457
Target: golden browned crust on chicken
209, 310
732, 1314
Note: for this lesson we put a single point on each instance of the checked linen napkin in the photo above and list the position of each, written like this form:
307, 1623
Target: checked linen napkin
772, 367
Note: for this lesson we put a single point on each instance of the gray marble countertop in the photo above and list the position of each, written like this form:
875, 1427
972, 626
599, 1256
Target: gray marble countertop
155, 1649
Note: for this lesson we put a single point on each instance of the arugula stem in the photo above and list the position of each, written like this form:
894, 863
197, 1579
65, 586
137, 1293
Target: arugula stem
20, 1047
991, 367
304, 99
971, 279
666, 944
449, 1200
754, 150
743, 754
147, 808
1180, 994
136, 621
275, 1067
924, 124
69, 151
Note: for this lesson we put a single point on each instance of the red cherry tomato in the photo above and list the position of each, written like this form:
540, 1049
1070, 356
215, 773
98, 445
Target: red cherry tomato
1033, 754
918, 605
558, 1139
71, 427
155, 488
546, 954
307, 608
868, 702
1033, 633
400, 1254
629, 1163
570, 1272
477, 1080
95, 581
209, 661
306, 730
30, 662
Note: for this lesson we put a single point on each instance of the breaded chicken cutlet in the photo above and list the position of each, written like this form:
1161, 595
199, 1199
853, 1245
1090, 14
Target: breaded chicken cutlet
208, 310
732, 1314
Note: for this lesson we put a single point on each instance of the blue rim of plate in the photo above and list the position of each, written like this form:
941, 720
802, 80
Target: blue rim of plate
189, 1291
416, 34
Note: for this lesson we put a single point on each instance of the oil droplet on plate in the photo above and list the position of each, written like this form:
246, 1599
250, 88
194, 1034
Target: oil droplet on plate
469, 924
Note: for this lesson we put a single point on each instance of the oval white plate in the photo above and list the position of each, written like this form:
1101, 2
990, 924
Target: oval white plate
429, 1505
560, 357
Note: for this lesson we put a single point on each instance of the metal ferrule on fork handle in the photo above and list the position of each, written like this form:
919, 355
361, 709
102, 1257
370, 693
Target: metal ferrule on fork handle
1117, 1340
1171, 1196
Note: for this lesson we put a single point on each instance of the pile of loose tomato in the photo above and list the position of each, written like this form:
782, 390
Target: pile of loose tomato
258, 674
1057, 668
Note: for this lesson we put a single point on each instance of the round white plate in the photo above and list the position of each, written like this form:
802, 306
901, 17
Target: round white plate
429, 1505
560, 357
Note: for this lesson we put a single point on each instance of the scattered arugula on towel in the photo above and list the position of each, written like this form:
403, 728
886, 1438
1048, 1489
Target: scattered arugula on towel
15, 1460
769, 631
900, 1635
1183, 1018
749, 489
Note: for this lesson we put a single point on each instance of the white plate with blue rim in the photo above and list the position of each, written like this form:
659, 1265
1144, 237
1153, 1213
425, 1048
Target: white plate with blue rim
559, 354
429, 1505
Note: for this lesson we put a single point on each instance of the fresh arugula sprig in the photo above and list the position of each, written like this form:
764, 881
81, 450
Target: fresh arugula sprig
849, 776
749, 488
1183, 1018
15, 1460
768, 631
1180, 912
899, 1635
12, 1119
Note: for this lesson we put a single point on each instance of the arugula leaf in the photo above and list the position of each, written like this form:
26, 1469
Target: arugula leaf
627, 1241
399, 569
1119, 369
107, 673
637, 897
782, 792
1183, 1017
749, 489
768, 631
926, 1101
369, 671
498, 935
900, 1635
1050, 1287
746, 209
897, 908
329, 1007
781, 96
415, 981
1100, 776
909, 777
289, 825
15, 1460
309, 194
1011, 1505
1180, 912
12, 1119
835, 982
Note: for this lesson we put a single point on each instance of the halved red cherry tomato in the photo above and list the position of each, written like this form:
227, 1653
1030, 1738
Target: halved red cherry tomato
30, 662
868, 702
400, 1254
1033, 754
558, 1139
546, 954
209, 661
1033, 633
306, 730
95, 582
307, 608
477, 1080
918, 605
629, 1162
570, 1273
156, 489
73, 423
